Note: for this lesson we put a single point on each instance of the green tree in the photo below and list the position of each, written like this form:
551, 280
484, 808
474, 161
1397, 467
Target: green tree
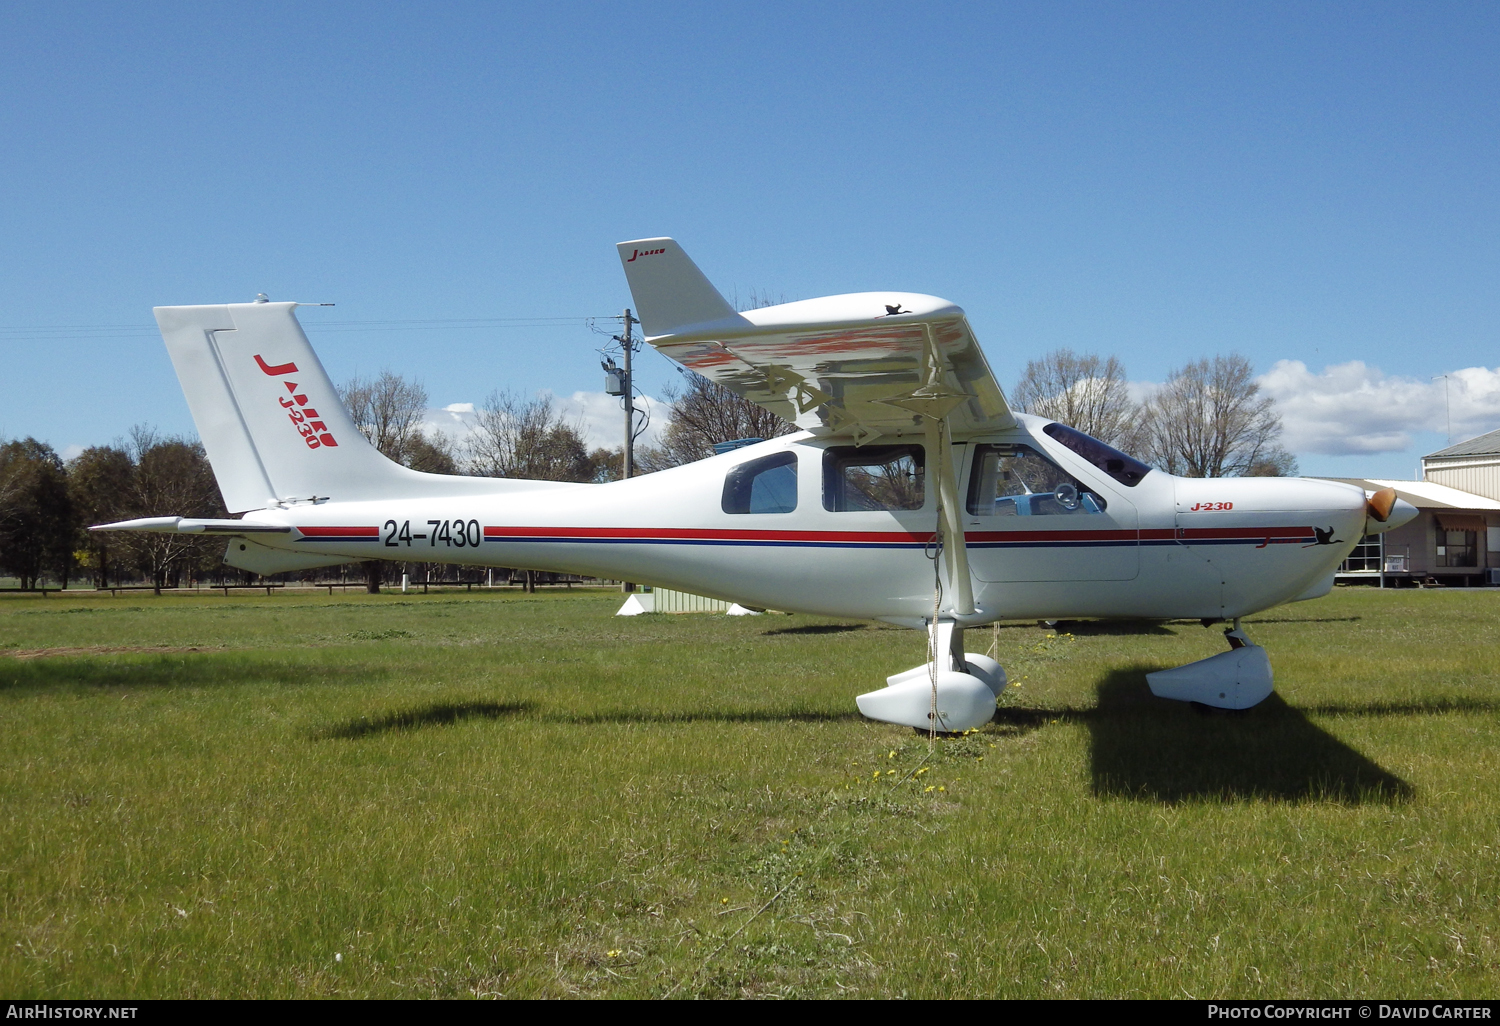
172, 478
1082, 391
525, 438
388, 410
37, 522
704, 412
431, 454
1210, 420
101, 481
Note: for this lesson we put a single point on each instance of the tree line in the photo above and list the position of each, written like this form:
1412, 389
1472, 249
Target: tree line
46, 506
1209, 419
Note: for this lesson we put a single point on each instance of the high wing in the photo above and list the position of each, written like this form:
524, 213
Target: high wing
866, 365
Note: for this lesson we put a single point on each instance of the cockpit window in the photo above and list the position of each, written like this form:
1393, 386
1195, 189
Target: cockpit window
766, 485
1018, 481
873, 477
1125, 469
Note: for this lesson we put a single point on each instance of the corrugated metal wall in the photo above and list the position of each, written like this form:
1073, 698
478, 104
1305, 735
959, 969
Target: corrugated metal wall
1482, 477
668, 601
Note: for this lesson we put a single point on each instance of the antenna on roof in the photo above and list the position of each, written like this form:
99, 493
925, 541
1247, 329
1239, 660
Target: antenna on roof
1447, 410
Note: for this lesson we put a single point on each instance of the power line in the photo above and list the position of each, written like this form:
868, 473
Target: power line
99, 332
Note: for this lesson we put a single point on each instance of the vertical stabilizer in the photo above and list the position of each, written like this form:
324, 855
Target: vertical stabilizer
269, 417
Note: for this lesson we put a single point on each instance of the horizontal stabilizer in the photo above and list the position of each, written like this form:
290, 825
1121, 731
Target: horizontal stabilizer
185, 525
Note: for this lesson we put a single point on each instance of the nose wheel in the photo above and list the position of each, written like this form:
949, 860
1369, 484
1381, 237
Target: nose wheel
1237, 679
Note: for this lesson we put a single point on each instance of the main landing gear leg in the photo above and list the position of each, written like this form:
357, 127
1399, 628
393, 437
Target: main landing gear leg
967, 686
1236, 679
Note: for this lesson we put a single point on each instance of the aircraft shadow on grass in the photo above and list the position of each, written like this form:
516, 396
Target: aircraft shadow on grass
142, 670
817, 628
1111, 628
1151, 749
1142, 747
445, 713
1122, 628
439, 714
1302, 619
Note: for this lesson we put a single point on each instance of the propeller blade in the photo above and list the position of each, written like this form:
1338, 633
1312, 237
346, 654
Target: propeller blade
1379, 505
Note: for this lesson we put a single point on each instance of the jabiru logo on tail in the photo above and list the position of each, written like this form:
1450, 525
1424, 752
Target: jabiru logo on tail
313, 431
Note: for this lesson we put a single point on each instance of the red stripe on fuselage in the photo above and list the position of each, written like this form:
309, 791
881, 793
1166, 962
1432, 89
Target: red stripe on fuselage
704, 534
324, 532
1046, 536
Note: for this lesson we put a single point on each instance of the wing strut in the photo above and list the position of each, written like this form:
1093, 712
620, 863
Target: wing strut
950, 518
934, 401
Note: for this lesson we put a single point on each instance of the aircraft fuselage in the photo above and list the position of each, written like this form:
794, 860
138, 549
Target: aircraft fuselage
1164, 547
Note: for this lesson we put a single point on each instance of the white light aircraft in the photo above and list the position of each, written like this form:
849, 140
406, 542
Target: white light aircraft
912, 493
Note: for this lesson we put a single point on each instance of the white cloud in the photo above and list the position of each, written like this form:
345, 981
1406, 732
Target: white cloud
71, 452
456, 420
598, 417
1353, 408
1140, 391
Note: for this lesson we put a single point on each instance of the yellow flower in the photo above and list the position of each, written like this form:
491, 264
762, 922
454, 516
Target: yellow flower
927, 788
723, 901
615, 953
877, 773
941, 788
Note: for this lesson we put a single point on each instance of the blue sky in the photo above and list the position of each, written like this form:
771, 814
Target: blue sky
1305, 184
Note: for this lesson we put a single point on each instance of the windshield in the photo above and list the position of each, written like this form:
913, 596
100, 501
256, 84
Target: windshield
1125, 469
1016, 480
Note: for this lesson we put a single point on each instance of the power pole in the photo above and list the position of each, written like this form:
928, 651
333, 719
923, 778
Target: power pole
628, 461
625, 342
617, 381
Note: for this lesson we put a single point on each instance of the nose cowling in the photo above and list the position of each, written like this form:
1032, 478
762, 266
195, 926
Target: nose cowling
1384, 511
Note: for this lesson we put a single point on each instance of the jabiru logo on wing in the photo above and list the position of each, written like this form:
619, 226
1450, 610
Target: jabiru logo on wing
313, 431
645, 252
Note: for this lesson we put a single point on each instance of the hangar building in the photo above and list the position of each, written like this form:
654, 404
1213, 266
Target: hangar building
1473, 466
1455, 539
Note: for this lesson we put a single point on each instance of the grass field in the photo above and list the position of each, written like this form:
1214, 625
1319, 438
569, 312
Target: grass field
499, 794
